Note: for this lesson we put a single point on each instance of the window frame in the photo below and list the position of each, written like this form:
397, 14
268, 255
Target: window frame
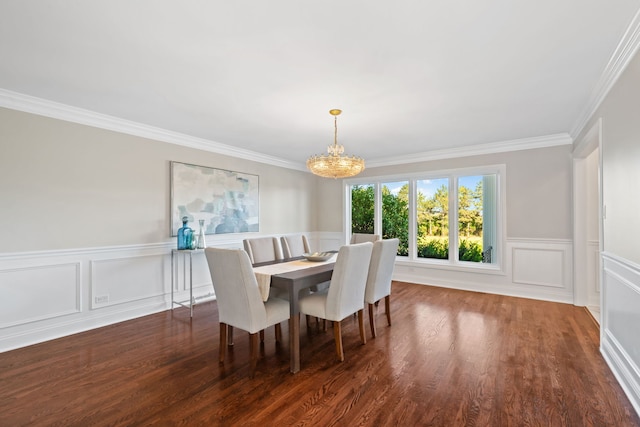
453, 175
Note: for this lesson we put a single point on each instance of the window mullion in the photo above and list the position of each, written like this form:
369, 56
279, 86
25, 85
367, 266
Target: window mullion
377, 224
413, 220
453, 219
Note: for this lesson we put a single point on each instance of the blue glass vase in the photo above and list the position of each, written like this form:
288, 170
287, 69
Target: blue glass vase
185, 235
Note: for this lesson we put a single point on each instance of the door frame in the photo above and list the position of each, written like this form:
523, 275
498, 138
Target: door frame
591, 141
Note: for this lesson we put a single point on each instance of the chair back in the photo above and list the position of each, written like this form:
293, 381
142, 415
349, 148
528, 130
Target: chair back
362, 237
383, 257
263, 249
348, 282
294, 245
234, 282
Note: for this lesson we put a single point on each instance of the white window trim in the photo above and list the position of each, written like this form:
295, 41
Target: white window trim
452, 174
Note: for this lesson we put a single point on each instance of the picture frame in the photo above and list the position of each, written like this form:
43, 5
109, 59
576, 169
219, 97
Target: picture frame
227, 201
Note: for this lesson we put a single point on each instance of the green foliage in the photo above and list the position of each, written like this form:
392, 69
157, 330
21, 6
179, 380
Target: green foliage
433, 248
470, 250
433, 220
438, 248
362, 209
395, 217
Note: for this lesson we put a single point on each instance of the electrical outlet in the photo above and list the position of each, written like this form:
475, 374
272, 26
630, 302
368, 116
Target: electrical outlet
102, 299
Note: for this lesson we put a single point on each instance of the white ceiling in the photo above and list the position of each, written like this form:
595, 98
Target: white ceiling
410, 76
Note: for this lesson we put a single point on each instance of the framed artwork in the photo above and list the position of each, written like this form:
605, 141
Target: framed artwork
227, 201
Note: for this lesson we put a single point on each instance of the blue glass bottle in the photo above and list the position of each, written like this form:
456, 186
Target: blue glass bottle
185, 235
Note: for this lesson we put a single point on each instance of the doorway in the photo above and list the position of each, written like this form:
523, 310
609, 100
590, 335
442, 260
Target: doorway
587, 217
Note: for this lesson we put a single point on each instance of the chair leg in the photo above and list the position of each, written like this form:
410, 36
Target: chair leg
337, 333
223, 342
387, 308
262, 336
308, 318
230, 336
372, 321
278, 332
324, 325
363, 336
253, 350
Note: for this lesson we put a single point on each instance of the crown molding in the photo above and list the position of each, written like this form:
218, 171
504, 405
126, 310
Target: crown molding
43, 107
622, 55
477, 150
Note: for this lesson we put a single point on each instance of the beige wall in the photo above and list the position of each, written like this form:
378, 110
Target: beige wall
621, 164
539, 185
68, 186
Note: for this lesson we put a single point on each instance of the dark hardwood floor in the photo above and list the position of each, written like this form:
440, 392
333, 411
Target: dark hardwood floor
451, 358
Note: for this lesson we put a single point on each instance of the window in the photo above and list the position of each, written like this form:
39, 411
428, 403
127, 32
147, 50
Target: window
395, 213
362, 214
433, 218
446, 218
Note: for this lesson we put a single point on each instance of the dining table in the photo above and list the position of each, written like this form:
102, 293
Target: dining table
297, 274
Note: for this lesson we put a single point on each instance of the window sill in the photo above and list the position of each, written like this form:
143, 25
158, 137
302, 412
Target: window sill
465, 267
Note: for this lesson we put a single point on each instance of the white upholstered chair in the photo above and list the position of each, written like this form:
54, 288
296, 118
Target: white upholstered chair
263, 249
240, 304
345, 295
294, 245
383, 257
361, 238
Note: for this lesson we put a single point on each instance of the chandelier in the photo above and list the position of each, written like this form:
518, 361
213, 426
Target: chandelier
335, 165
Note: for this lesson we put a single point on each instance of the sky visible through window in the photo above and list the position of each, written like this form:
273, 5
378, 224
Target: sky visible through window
428, 187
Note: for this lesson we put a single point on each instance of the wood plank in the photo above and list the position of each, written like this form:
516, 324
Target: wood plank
451, 358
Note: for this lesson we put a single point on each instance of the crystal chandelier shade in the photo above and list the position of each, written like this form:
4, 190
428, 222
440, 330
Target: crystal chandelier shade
335, 165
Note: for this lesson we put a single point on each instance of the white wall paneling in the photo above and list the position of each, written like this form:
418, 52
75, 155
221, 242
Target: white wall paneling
49, 294
620, 343
39, 292
120, 280
593, 279
326, 241
57, 293
202, 286
527, 263
535, 268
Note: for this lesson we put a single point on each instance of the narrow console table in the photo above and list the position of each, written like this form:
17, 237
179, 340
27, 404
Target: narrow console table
175, 258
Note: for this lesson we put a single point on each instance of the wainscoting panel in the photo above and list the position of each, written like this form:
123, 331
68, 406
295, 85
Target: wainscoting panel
534, 268
593, 278
57, 293
620, 343
122, 280
39, 292
527, 263
50, 294
202, 286
326, 241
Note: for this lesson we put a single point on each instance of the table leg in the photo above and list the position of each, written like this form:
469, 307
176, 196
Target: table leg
172, 277
294, 342
190, 284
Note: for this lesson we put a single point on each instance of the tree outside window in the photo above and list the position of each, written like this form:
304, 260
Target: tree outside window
474, 219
